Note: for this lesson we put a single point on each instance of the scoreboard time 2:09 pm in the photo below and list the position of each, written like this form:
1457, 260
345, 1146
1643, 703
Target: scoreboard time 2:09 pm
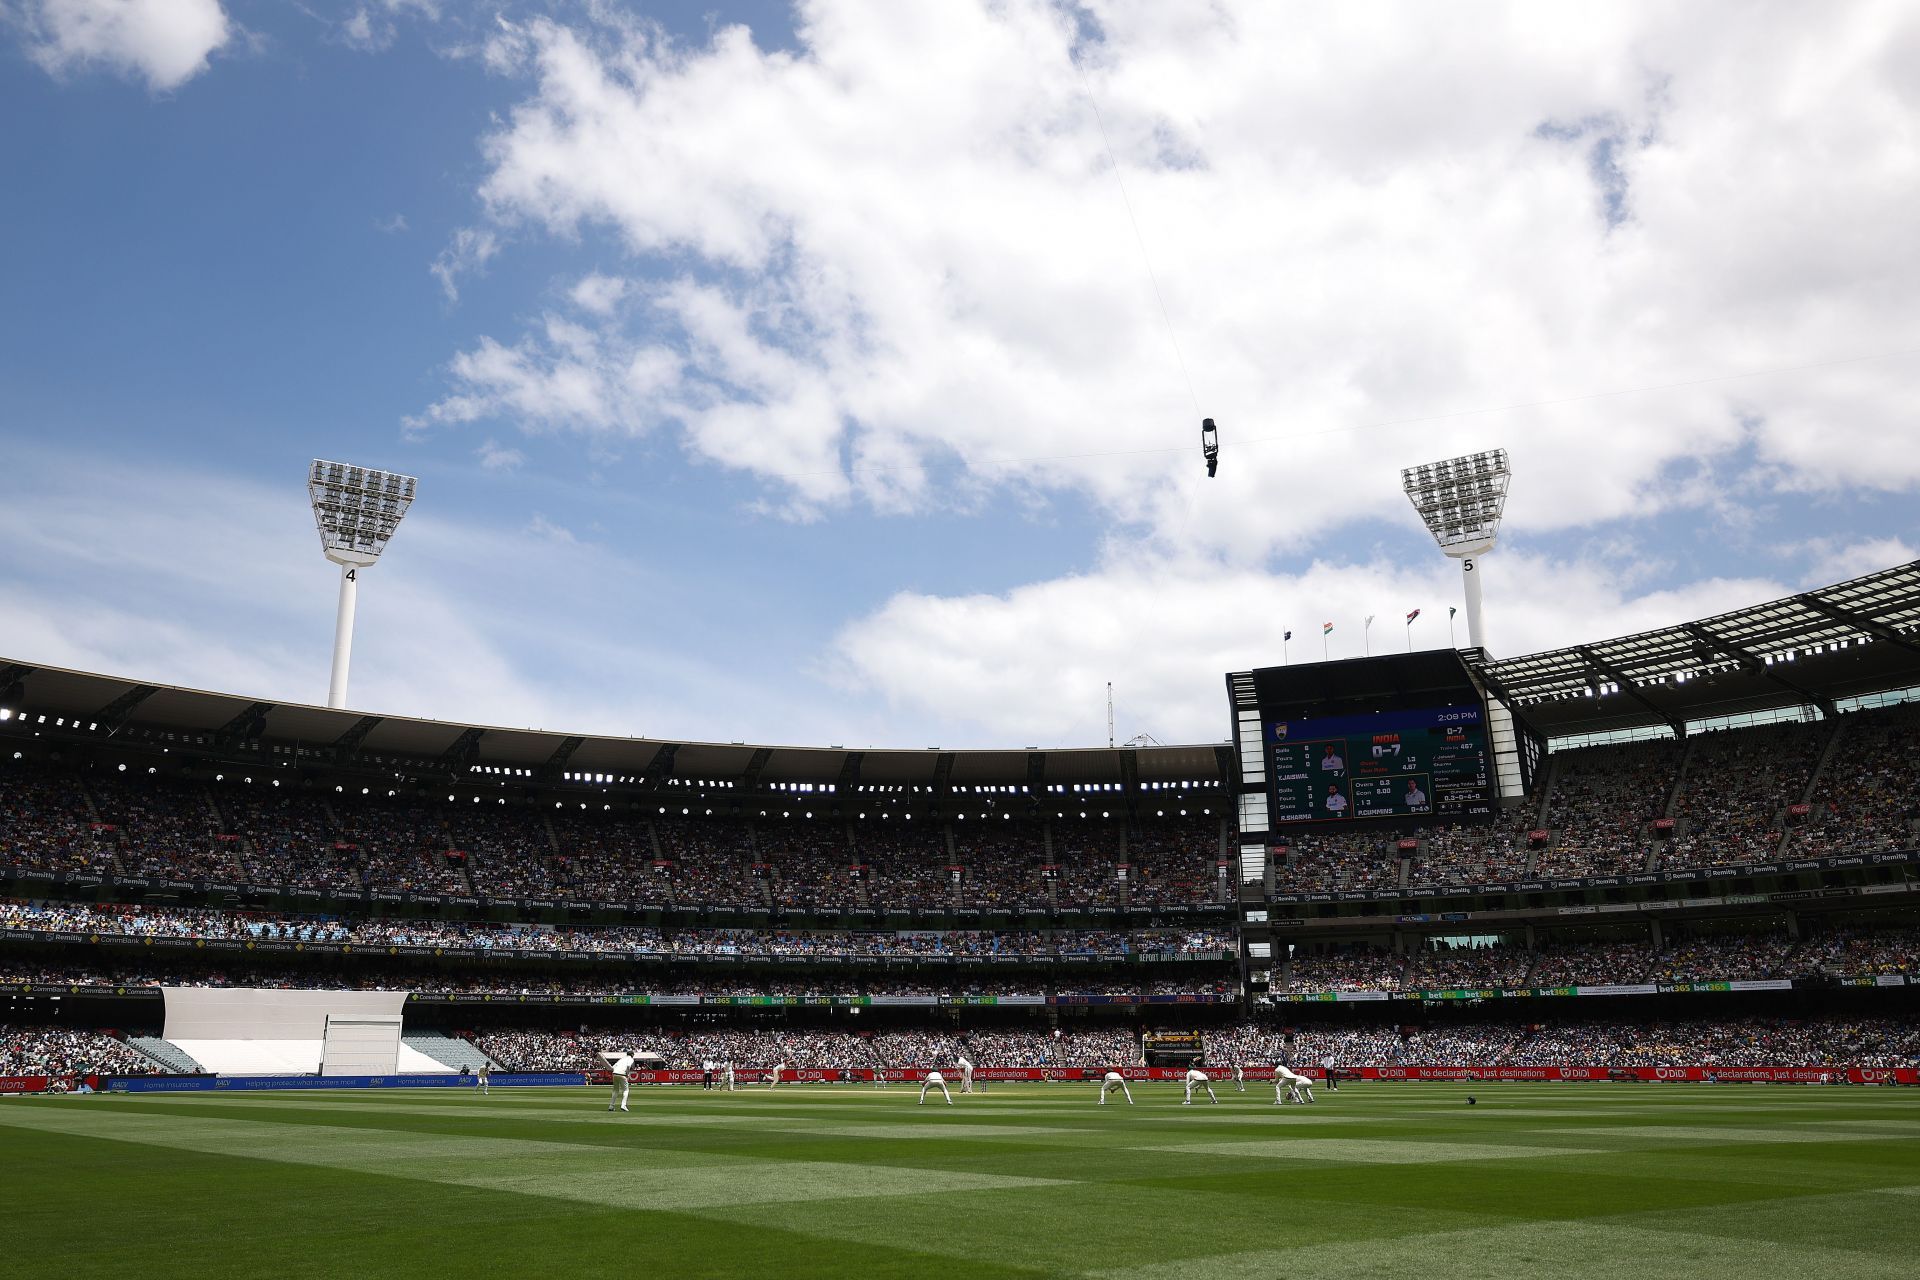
1428, 762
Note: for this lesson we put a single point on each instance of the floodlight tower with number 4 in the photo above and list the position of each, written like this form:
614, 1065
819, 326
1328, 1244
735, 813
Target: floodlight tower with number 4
1461, 501
357, 509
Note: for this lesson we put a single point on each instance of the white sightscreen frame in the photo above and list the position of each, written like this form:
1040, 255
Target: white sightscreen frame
361, 1046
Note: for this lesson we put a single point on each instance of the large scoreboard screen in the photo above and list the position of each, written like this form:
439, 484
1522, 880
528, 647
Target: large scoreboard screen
1410, 763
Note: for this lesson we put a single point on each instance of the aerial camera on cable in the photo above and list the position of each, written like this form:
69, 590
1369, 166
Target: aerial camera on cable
1210, 445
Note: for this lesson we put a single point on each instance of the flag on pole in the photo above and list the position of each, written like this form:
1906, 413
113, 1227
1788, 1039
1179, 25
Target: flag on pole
1326, 628
1412, 616
1369, 619
1450, 612
1286, 635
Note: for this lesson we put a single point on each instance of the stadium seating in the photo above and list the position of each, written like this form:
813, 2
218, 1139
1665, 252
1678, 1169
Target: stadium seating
171, 1058
1718, 800
450, 1052
1747, 952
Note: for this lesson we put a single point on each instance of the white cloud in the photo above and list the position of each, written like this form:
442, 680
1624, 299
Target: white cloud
913, 252
373, 27
459, 621
391, 226
1642, 248
498, 457
163, 42
1031, 665
1835, 561
360, 31
546, 530
468, 252
598, 294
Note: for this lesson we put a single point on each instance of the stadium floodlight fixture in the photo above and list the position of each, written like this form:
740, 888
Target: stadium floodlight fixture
1461, 501
357, 510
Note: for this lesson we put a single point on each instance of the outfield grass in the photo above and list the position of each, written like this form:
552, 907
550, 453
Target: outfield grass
1377, 1180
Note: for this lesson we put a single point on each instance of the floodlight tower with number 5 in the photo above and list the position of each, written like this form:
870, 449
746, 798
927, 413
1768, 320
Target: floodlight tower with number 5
357, 510
1461, 501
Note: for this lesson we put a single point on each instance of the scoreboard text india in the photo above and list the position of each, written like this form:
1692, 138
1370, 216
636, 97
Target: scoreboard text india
1422, 762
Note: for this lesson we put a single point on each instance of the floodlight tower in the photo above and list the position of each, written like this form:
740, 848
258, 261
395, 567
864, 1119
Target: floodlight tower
1461, 501
357, 510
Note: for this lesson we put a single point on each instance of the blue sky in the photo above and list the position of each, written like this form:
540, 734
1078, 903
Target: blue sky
796, 374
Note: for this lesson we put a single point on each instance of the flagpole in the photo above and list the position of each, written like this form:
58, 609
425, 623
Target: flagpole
1409, 637
1366, 637
1324, 633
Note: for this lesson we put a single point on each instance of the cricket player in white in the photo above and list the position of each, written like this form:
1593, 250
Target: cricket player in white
934, 1080
774, 1080
966, 1075
1290, 1085
620, 1062
1240, 1076
486, 1075
1111, 1081
729, 1077
1195, 1076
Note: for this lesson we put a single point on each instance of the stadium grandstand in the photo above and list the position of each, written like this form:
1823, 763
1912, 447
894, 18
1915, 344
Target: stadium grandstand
1699, 849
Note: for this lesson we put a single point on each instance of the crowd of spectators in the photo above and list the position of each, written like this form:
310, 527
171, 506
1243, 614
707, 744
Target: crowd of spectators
1859, 1042
908, 867
199, 971
1738, 786
1086, 857
1868, 797
1865, 953
1602, 806
47, 823
204, 922
597, 859
1174, 860
165, 832
1731, 804
1728, 955
60, 1050
1336, 862
1457, 855
54, 1050
1006, 863
755, 1052
289, 839
1353, 967
1442, 966
1762, 952
1752, 1042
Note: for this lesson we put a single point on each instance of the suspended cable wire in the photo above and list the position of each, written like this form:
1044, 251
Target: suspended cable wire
1385, 423
1119, 180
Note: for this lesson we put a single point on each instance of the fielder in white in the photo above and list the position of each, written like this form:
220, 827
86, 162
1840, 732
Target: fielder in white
729, 1074
1289, 1085
486, 1076
620, 1062
1111, 1081
1195, 1076
1240, 1076
966, 1074
774, 1080
934, 1080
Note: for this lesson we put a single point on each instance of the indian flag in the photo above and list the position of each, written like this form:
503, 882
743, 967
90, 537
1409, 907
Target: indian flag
1326, 628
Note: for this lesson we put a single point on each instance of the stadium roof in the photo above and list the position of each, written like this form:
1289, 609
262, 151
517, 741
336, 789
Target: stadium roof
1819, 647
120, 711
